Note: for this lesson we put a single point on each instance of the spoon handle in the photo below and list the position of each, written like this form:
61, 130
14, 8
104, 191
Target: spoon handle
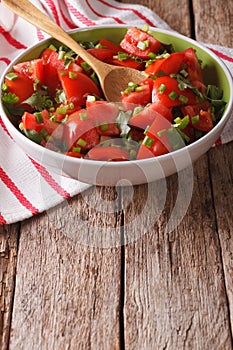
28, 11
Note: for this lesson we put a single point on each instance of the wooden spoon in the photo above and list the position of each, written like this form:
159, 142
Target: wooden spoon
113, 79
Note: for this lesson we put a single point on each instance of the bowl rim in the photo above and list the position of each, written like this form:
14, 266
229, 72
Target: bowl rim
59, 157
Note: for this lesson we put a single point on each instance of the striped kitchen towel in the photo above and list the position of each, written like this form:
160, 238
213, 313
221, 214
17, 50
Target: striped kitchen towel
26, 187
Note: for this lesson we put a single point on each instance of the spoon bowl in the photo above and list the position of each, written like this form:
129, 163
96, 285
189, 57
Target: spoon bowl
113, 79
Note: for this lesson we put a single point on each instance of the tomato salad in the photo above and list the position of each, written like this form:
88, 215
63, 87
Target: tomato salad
57, 102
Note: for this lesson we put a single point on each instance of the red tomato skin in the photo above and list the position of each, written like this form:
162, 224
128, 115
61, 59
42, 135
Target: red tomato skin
21, 87
157, 149
74, 154
76, 89
169, 65
104, 55
133, 37
171, 85
111, 46
128, 63
108, 153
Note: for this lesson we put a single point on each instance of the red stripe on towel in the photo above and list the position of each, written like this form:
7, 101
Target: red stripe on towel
118, 20
50, 180
81, 17
12, 41
221, 55
17, 193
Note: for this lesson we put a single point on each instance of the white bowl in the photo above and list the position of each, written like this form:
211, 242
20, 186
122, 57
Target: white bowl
136, 171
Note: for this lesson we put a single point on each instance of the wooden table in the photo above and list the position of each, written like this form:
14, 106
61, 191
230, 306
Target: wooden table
163, 288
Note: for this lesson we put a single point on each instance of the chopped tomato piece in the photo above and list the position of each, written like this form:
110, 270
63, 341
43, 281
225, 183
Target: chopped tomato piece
22, 87
102, 54
200, 116
33, 69
141, 97
193, 66
111, 46
78, 128
30, 122
166, 91
129, 62
139, 43
157, 149
171, 64
146, 117
103, 115
77, 86
108, 153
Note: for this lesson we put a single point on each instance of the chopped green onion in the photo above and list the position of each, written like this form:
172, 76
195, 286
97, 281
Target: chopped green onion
183, 99
76, 149
91, 98
21, 128
195, 119
85, 66
12, 76
148, 141
39, 117
161, 132
83, 116
4, 87
162, 88
52, 47
139, 88
81, 142
145, 28
73, 75
146, 129
184, 73
122, 56
152, 55
143, 45
181, 123
61, 55
137, 110
104, 126
173, 95
35, 84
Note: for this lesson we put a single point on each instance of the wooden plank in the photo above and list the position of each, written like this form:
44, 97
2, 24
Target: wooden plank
214, 21
68, 287
219, 31
221, 170
8, 257
175, 296
167, 11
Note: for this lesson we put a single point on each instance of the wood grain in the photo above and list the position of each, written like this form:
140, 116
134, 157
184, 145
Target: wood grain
176, 296
68, 287
8, 258
175, 293
221, 167
167, 10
